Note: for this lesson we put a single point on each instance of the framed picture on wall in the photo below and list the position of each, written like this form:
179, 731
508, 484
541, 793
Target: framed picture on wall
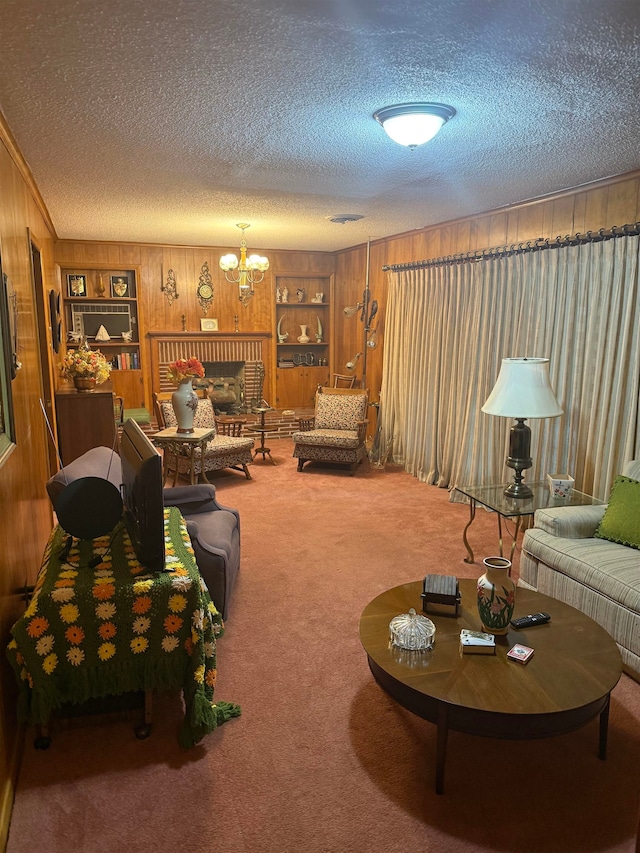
119, 286
7, 361
208, 325
76, 285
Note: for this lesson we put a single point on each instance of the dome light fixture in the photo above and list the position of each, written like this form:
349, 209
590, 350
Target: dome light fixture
415, 123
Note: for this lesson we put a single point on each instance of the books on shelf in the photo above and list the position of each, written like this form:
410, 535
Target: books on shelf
126, 361
477, 643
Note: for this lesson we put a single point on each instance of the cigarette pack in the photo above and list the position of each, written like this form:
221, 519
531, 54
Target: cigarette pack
520, 653
477, 643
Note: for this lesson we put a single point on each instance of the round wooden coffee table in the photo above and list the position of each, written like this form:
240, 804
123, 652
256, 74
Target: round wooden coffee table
565, 684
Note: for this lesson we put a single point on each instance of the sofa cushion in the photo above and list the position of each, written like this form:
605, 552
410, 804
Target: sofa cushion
621, 520
328, 438
607, 568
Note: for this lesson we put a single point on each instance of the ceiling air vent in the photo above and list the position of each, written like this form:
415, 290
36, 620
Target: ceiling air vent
343, 218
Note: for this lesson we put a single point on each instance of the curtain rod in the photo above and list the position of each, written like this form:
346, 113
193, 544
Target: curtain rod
519, 248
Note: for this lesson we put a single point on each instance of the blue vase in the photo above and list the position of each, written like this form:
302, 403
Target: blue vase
185, 402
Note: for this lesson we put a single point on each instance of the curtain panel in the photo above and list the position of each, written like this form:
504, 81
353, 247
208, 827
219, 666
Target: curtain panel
449, 326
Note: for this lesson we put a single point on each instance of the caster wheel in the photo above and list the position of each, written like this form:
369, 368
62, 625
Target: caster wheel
143, 731
42, 742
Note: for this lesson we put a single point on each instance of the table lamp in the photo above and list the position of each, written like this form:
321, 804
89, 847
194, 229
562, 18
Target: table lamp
522, 390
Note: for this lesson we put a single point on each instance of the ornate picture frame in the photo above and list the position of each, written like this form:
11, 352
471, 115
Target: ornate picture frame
76, 285
119, 286
208, 325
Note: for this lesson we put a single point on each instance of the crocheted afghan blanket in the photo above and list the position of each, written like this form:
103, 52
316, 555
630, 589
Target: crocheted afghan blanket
114, 628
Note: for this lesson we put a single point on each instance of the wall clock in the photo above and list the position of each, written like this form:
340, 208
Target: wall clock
205, 288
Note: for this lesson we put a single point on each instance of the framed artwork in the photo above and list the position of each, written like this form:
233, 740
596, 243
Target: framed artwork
54, 316
119, 286
7, 356
76, 285
208, 325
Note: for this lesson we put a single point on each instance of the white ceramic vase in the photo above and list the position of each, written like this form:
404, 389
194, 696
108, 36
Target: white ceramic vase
496, 595
185, 402
303, 337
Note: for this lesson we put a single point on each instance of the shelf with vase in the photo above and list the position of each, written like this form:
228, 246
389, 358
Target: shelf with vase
303, 325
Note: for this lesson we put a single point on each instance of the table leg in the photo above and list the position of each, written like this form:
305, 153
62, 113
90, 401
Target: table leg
499, 534
441, 753
472, 515
192, 472
604, 730
517, 530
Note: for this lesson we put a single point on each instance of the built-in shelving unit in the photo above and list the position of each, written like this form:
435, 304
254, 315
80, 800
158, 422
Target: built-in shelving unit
303, 309
96, 297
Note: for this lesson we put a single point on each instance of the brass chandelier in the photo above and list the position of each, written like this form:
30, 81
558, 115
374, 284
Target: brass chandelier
249, 270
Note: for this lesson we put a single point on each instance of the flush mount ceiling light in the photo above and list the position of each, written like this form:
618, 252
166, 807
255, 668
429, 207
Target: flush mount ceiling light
415, 123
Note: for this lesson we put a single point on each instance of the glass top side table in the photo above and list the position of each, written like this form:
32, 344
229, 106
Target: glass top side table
494, 498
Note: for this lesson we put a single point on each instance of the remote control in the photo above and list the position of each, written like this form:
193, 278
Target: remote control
530, 620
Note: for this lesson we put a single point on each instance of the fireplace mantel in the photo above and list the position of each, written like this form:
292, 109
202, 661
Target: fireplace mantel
199, 336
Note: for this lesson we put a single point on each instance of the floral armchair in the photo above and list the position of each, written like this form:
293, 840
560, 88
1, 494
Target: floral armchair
222, 451
337, 431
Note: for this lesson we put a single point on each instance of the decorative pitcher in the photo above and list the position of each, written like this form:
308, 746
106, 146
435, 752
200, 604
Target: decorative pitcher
496, 595
303, 337
185, 402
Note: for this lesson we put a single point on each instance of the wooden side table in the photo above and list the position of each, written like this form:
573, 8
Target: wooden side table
173, 443
262, 430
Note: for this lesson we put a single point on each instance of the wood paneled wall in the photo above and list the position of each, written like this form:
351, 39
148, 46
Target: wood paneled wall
25, 516
185, 313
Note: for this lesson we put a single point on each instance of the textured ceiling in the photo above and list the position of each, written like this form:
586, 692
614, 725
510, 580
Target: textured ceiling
170, 122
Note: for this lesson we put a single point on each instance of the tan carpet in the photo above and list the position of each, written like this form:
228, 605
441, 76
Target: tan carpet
322, 760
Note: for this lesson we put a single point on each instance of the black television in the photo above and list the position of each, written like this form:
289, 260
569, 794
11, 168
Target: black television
142, 496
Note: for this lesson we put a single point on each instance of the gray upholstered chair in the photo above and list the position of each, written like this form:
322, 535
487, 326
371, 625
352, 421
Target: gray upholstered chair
214, 531
337, 431
223, 451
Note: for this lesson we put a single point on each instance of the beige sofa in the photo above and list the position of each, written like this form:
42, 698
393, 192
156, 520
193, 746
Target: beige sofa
561, 558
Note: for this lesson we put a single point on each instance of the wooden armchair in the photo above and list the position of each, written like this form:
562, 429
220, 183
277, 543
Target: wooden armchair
225, 450
337, 431
341, 381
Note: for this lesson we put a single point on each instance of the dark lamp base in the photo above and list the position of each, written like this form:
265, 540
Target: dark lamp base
518, 490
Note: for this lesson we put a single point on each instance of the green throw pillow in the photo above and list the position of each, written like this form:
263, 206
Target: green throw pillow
621, 520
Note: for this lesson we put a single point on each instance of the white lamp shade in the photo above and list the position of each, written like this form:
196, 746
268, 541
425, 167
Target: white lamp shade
523, 390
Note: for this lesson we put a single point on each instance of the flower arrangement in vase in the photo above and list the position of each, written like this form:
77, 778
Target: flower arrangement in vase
86, 368
185, 368
184, 399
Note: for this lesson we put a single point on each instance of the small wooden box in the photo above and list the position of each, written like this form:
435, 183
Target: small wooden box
441, 595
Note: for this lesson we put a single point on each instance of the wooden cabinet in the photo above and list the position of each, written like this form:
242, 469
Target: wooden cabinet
303, 310
296, 386
85, 420
107, 297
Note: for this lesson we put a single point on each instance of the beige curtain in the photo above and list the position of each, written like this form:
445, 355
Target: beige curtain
449, 326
